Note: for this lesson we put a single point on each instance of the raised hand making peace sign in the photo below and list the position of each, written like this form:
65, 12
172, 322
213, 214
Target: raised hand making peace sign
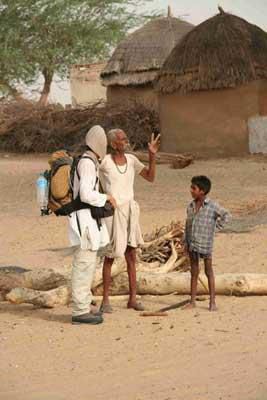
153, 145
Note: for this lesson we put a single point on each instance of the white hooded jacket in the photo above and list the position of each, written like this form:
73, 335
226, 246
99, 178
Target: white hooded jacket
83, 229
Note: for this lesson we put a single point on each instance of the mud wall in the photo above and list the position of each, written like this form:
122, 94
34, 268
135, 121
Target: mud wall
127, 95
210, 123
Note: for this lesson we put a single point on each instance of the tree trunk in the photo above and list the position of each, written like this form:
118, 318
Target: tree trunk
177, 282
42, 279
149, 283
49, 299
48, 78
49, 279
52, 298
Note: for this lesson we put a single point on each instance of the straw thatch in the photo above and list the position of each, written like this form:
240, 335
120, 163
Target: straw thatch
223, 52
137, 60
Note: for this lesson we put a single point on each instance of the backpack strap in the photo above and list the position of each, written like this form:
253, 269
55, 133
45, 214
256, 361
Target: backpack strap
98, 221
76, 168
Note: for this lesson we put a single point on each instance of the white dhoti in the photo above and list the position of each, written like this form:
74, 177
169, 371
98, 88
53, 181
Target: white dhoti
124, 229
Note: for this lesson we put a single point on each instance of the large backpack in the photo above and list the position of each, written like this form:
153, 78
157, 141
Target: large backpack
60, 182
61, 178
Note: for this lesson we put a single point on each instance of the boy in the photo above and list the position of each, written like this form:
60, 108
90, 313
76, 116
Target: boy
203, 217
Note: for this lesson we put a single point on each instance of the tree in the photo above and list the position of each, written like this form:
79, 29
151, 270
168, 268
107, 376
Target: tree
44, 36
13, 65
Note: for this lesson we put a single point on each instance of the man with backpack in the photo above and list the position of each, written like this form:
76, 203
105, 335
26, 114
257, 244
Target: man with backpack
86, 232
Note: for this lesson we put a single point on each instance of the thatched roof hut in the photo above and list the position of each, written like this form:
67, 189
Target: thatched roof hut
137, 60
223, 52
213, 81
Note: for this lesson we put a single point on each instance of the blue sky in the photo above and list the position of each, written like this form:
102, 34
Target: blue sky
198, 10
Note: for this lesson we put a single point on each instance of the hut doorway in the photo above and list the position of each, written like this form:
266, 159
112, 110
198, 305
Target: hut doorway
257, 128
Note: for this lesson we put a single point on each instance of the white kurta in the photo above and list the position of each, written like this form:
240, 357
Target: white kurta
120, 185
89, 236
118, 181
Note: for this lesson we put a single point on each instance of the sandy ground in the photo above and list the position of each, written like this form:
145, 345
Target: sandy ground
193, 355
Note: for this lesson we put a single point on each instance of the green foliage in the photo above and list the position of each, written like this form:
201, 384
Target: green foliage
48, 35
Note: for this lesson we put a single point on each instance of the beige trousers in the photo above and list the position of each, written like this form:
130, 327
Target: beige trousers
83, 272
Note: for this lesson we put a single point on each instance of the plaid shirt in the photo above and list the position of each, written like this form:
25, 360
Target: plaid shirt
200, 225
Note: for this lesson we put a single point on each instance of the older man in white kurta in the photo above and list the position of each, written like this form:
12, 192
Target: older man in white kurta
117, 173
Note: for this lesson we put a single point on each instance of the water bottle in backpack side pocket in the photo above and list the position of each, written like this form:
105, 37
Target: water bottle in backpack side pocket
42, 194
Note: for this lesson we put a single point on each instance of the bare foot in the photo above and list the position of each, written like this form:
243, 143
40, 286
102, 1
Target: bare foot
106, 308
189, 306
136, 306
213, 307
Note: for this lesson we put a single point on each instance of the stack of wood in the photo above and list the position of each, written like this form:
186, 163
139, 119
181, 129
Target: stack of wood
160, 244
161, 270
28, 127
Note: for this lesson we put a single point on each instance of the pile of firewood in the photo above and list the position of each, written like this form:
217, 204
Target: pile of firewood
161, 253
161, 266
160, 243
26, 127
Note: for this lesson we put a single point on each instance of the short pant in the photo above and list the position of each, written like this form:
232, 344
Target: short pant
196, 255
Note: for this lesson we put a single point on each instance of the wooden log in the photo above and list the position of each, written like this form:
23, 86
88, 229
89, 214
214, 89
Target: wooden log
51, 298
48, 288
162, 284
47, 279
47, 299
118, 266
177, 160
40, 279
149, 283
169, 266
168, 236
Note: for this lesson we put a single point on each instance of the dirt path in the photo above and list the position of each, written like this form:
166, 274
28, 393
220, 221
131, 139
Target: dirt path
188, 355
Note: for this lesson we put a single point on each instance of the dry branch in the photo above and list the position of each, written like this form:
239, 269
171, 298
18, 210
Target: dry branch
28, 127
158, 244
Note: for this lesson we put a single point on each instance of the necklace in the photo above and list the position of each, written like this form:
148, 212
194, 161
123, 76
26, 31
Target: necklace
118, 169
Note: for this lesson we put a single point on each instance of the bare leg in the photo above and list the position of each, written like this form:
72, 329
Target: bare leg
130, 256
211, 281
194, 261
106, 279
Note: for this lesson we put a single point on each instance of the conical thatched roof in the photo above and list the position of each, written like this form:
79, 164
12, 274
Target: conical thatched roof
137, 59
223, 52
